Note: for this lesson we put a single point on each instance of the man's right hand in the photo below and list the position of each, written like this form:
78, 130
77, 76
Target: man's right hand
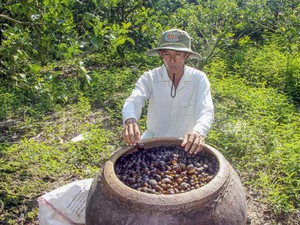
131, 132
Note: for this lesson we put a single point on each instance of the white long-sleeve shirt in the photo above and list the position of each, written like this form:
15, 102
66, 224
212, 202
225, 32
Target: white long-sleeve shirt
191, 108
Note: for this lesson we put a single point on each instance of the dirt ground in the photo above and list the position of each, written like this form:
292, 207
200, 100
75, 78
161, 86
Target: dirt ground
258, 212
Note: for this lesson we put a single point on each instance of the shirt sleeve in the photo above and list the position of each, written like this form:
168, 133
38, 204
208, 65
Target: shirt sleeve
134, 104
204, 108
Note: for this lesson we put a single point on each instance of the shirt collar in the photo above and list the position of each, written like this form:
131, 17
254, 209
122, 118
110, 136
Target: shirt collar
186, 76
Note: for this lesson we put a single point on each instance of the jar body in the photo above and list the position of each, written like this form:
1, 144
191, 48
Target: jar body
221, 202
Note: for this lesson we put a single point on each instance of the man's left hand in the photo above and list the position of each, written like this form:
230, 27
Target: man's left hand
193, 142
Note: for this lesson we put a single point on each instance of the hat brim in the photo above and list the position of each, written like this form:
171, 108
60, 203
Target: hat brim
154, 52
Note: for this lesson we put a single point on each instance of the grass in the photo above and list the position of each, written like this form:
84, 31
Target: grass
46, 158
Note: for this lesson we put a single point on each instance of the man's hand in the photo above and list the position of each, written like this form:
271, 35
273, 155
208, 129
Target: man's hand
131, 132
193, 142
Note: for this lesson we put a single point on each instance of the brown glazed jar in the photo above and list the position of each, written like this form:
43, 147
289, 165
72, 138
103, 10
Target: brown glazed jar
220, 202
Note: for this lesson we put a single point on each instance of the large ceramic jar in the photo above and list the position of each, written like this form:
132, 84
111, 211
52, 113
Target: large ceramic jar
219, 202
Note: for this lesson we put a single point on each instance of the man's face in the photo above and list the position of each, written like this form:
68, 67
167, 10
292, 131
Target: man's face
174, 60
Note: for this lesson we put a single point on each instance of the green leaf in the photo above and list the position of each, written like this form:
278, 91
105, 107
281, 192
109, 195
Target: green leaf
130, 40
46, 2
126, 25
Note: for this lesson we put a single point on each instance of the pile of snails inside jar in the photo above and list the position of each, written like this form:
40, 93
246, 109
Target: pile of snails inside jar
166, 170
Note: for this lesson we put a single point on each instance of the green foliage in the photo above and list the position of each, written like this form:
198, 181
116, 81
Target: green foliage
279, 17
271, 66
8, 103
14, 54
211, 23
258, 130
110, 38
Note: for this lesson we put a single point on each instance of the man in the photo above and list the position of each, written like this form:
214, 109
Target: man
180, 103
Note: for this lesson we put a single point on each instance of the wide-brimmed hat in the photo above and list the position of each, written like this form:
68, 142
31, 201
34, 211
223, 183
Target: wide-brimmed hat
174, 39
